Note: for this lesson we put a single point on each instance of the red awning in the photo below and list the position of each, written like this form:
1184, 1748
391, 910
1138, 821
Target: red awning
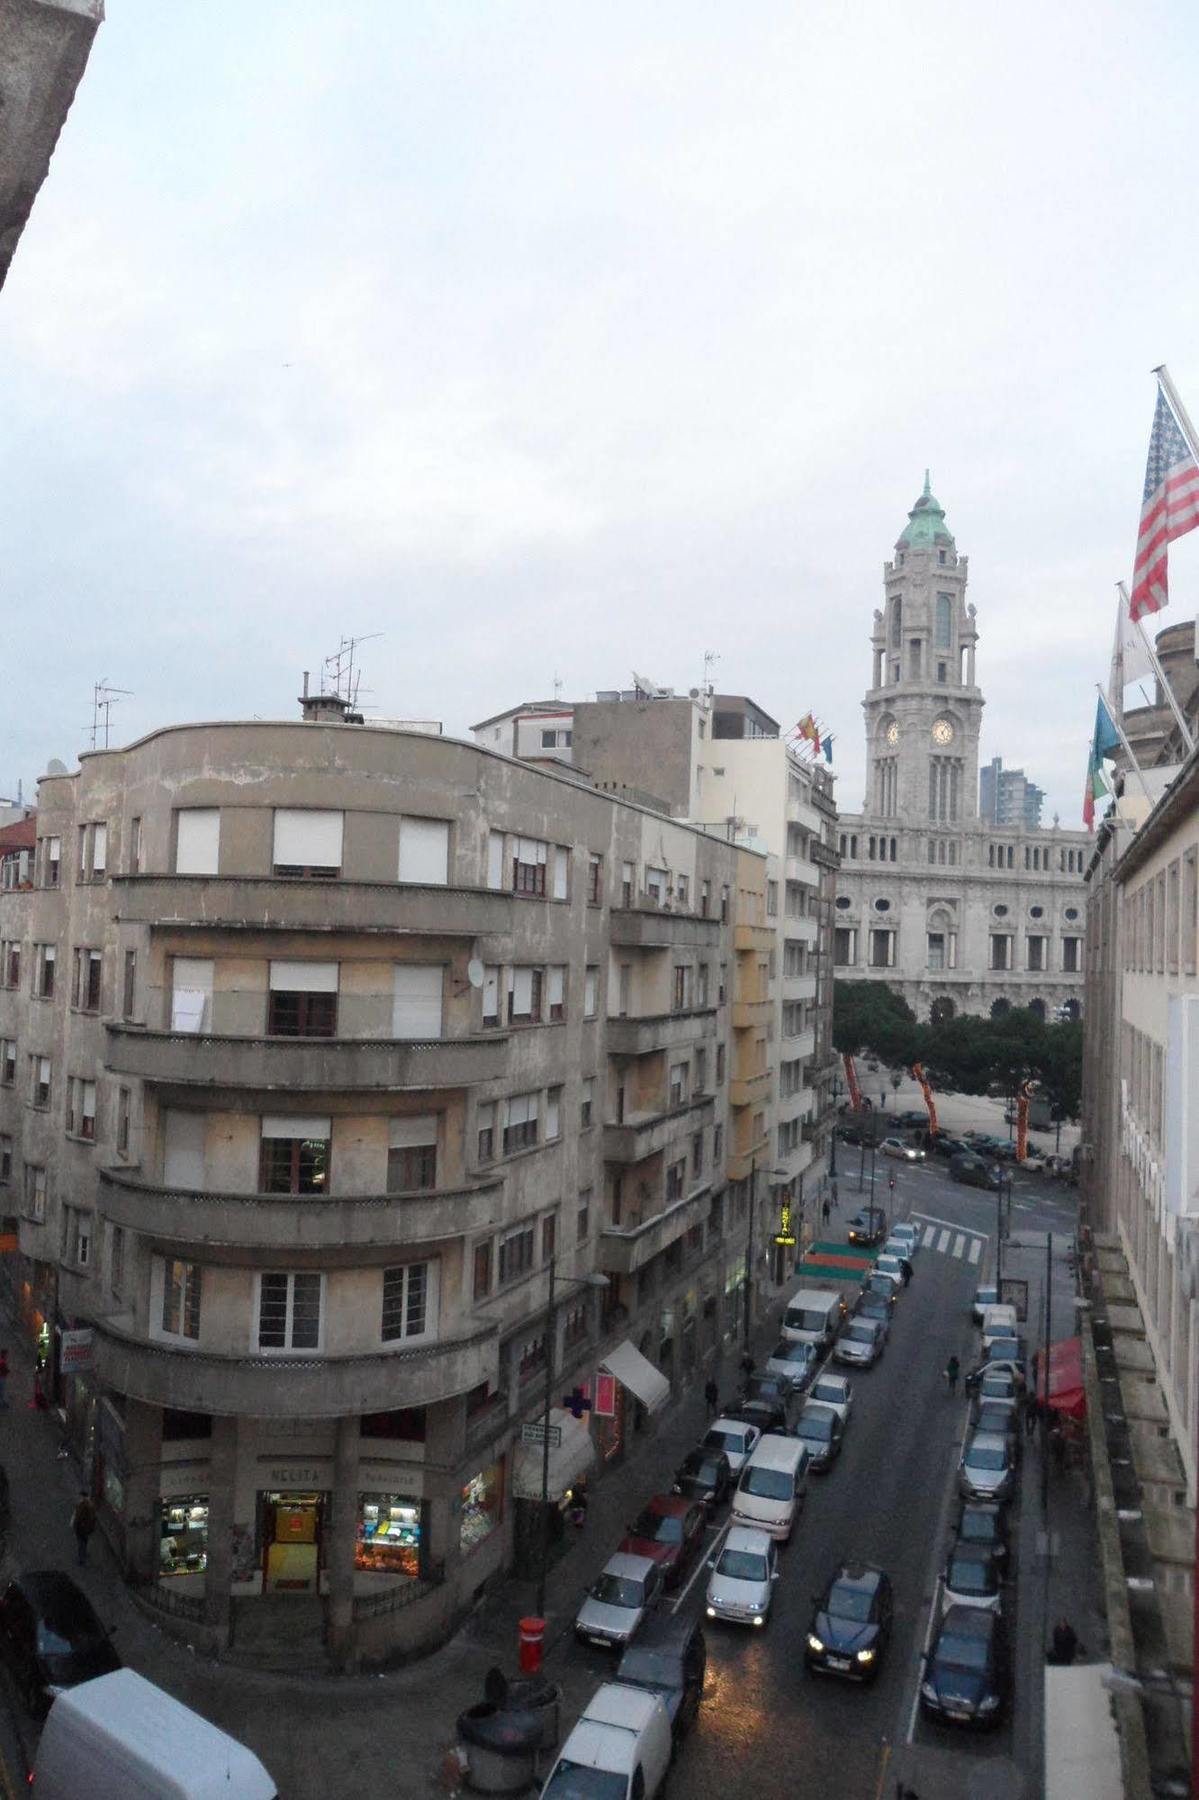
1066, 1391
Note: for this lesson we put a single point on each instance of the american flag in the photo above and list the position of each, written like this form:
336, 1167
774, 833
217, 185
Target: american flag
1169, 509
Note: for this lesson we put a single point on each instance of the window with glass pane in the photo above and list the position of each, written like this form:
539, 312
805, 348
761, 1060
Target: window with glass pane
302, 1015
298, 1165
412, 1154
181, 1299
289, 1311
405, 1301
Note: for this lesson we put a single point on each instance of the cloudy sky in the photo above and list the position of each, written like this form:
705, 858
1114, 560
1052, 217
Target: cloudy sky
561, 341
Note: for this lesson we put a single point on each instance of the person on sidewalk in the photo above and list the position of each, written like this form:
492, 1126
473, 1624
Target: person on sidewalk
835, 1199
1064, 1646
711, 1396
4, 1378
1032, 1416
952, 1370
83, 1523
825, 1211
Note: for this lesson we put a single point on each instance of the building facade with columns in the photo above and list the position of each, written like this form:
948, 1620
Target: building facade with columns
957, 914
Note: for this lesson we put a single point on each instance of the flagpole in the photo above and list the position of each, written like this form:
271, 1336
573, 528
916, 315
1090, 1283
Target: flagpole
1119, 731
1151, 653
1181, 417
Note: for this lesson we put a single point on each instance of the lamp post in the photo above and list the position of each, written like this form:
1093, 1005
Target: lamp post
595, 1280
999, 1229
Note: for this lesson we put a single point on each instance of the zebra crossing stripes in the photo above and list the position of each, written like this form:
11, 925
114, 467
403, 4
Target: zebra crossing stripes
948, 1240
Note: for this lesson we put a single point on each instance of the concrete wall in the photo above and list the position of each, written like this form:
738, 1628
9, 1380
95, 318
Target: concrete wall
44, 47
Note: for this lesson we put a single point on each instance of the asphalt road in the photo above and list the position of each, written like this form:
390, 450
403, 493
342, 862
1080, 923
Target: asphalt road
890, 1499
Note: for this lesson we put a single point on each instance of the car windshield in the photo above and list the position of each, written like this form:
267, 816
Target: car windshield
982, 1456
969, 1575
816, 1425
829, 1392
703, 1474
963, 1652
578, 1781
768, 1484
659, 1528
726, 1440
996, 1389
848, 1602
860, 1334
644, 1665
742, 1565
978, 1527
618, 1590
889, 1263
792, 1353
994, 1418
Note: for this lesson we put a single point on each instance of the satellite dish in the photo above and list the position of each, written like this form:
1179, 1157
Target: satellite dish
55, 767
474, 972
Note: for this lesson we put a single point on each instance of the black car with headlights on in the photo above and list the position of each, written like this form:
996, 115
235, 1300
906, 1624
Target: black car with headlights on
967, 1676
868, 1226
851, 1625
704, 1475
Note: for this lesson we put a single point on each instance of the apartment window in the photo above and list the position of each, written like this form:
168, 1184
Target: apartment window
192, 980
583, 1217
182, 1287
405, 1302
1159, 934
485, 1126
556, 992
1036, 953
704, 977
676, 1179
123, 1106
590, 991
682, 890
39, 1081
412, 1154
10, 964
1190, 910
680, 998
198, 840
628, 883
530, 1358
656, 881
772, 899
882, 949
425, 851
595, 878
1001, 950
719, 1065
529, 859
549, 1237
516, 1254
8, 1062
574, 1324
697, 1155
520, 1122
700, 1070
705, 899
1070, 957
129, 985
307, 843
289, 1310
717, 1146
587, 1102
942, 673
81, 1108
85, 985
294, 1155
1173, 901
51, 862
495, 859
135, 846
35, 1193
724, 904
482, 1270
936, 949
116, 1258
553, 1114
561, 866
845, 946
524, 996
99, 852
416, 1008
76, 1238
491, 995
722, 985
46, 957
678, 1084
5, 1157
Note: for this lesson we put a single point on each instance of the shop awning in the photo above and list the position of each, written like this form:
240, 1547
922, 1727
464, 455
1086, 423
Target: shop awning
639, 1375
571, 1455
1066, 1392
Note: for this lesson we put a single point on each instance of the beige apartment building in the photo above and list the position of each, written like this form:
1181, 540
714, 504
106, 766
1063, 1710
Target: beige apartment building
322, 1046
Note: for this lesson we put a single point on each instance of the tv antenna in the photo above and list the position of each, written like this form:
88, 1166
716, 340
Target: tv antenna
104, 698
339, 672
711, 658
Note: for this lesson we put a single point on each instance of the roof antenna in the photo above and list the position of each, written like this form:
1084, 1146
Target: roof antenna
104, 698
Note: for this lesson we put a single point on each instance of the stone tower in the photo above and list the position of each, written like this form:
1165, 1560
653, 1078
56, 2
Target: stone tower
923, 709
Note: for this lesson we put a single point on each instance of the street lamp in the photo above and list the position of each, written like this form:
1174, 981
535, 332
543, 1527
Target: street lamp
595, 1280
776, 1175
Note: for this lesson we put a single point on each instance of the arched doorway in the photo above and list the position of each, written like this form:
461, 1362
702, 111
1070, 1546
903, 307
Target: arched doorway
1037, 1009
941, 1010
1071, 1010
999, 1008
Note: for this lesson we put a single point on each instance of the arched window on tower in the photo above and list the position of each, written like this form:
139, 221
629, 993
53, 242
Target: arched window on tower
944, 622
896, 622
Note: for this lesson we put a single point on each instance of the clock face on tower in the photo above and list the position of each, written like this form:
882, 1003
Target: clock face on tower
942, 732
892, 733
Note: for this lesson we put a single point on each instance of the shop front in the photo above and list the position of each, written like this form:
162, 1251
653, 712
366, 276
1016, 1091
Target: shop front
183, 1537
392, 1533
557, 1469
292, 1537
481, 1507
607, 1412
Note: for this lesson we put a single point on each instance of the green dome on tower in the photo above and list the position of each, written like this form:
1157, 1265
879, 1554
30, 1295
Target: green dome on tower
926, 523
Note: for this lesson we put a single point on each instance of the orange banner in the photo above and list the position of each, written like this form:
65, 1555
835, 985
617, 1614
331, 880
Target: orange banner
1022, 1120
926, 1090
851, 1078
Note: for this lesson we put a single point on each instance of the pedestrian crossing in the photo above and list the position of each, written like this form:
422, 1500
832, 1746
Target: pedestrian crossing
948, 1240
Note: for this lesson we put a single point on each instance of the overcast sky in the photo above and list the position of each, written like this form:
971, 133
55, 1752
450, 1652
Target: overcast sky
560, 340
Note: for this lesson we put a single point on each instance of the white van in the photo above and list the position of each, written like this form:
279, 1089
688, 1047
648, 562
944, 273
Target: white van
999, 1321
623, 1732
121, 1738
813, 1316
772, 1487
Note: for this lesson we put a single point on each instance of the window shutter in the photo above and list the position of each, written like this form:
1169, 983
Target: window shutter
553, 1114
416, 1012
303, 977
191, 994
491, 993
425, 851
495, 859
557, 984
99, 849
531, 850
561, 867
183, 1149
522, 991
297, 1125
307, 839
413, 1134
197, 840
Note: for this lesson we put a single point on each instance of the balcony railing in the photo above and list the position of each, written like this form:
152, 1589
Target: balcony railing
267, 902
312, 1065
644, 1135
753, 937
747, 1013
652, 928
660, 1031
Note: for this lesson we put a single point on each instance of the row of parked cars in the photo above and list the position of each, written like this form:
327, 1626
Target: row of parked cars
967, 1678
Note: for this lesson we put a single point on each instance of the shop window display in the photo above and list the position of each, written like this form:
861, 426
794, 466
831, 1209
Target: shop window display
481, 1505
389, 1534
184, 1544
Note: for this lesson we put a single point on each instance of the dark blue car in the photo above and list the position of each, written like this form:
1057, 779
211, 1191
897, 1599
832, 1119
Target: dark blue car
967, 1676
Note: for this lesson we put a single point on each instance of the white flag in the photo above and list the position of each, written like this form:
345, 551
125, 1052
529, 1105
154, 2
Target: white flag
1131, 659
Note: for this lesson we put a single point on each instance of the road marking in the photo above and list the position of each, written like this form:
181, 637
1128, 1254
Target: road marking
953, 1224
942, 1241
959, 1244
930, 1232
975, 1249
701, 1565
928, 1638
882, 1771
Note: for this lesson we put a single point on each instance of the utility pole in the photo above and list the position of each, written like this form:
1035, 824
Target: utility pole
749, 1253
1044, 1396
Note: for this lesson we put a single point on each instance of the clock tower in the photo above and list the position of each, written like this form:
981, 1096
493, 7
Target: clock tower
923, 709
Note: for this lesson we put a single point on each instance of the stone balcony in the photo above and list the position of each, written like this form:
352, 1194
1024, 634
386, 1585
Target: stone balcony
660, 1031
626, 1248
753, 937
800, 813
750, 1090
297, 1221
747, 1013
302, 1065
271, 903
798, 868
293, 1387
655, 929
645, 1134
799, 987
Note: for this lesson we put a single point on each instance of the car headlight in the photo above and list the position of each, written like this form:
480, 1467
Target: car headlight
989, 1704
711, 1612
928, 1690
758, 1619
814, 1643
865, 1656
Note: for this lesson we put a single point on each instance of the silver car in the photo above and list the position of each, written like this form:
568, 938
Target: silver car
819, 1431
735, 1438
835, 1391
618, 1601
986, 1471
905, 1236
860, 1343
741, 1585
794, 1363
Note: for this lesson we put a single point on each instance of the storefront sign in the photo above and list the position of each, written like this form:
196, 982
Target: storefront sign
535, 1434
785, 1234
76, 1352
294, 1475
605, 1395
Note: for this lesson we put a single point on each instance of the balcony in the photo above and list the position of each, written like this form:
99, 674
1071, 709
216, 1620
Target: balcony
798, 868
626, 1248
747, 1013
753, 937
301, 1221
800, 931
645, 1134
750, 1090
802, 1044
660, 1031
267, 903
799, 987
303, 1065
797, 1105
824, 856
294, 1387
800, 813
653, 929
741, 1162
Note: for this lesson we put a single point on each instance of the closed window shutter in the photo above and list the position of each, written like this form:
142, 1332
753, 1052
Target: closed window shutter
297, 1125
520, 984
307, 839
191, 994
553, 1115
413, 1134
520, 1108
303, 978
425, 851
557, 984
491, 993
561, 866
99, 849
197, 840
495, 859
417, 1009
531, 850
183, 1152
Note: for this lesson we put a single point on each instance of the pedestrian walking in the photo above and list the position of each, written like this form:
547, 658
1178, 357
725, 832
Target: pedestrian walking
1032, 1415
953, 1369
825, 1210
711, 1396
3, 1378
83, 1523
1064, 1646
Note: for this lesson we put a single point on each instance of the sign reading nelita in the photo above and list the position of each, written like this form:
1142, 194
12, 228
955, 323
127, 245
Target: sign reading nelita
77, 1352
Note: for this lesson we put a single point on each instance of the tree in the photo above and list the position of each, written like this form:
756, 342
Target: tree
868, 1015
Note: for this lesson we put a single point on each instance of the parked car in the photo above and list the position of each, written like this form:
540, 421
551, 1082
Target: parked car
741, 1586
669, 1659
835, 1391
983, 1297
901, 1150
973, 1171
950, 1146
914, 1120
860, 1343
621, 1745
51, 1638
669, 1530
880, 1287
618, 1600
819, 1431
984, 1522
967, 1673
766, 1415
1002, 1420
972, 1577
869, 1226
896, 1268
1034, 1162
851, 1624
704, 1475
879, 1308
794, 1363
995, 1386
907, 1234
762, 1385
734, 1437
987, 1470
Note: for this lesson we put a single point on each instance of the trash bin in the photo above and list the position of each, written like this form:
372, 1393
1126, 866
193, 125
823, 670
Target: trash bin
500, 1748
540, 1698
